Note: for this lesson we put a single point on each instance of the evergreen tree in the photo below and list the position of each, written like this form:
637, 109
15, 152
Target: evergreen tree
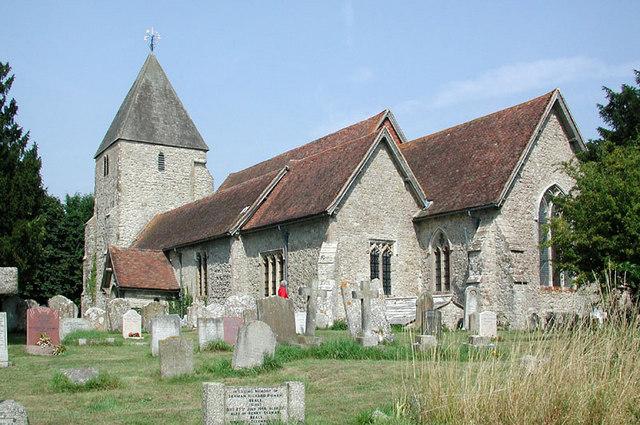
21, 191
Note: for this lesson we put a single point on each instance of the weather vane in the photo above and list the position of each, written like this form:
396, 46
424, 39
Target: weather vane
152, 38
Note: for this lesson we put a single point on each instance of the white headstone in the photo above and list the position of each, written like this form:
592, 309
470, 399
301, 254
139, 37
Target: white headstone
487, 324
210, 329
470, 304
131, 324
4, 346
282, 404
301, 322
163, 327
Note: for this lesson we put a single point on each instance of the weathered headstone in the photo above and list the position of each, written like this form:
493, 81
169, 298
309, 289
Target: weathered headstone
131, 324
210, 329
115, 309
472, 326
13, 413
432, 323
151, 311
256, 341
223, 404
195, 310
176, 357
97, 317
423, 303
231, 326
427, 342
279, 314
163, 327
367, 337
235, 305
214, 310
327, 288
8, 280
352, 309
470, 303
379, 323
301, 322
68, 326
4, 345
487, 324
64, 306
80, 376
42, 321
310, 295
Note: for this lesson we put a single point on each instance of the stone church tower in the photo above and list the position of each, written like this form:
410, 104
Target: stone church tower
152, 159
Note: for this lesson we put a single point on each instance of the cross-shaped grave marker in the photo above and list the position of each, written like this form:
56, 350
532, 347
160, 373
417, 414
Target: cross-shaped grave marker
364, 294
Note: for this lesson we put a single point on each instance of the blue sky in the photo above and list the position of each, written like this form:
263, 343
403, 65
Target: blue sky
259, 78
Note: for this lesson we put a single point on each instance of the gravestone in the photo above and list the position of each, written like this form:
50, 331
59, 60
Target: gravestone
80, 376
423, 303
4, 345
301, 322
64, 306
427, 342
163, 327
210, 329
432, 323
487, 324
470, 303
176, 357
256, 341
352, 309
97, 317
310, 295
279, 314
231, 326
472, 326
16, 309
115, 309
327, 293
235, 305
379, 323
68, 326
401, 310
367, 337
131, 324
13, 413
214, 310
151, 311
42, 320
223, 404
195, 310
8, 280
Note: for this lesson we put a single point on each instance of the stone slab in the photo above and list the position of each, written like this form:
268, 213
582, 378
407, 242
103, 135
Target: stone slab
231, 326
68, 326
176, 357
151, 311
115, 309
488, 324
256, 341
253, 405
12, 412
479, 341
423, 303
97, 317
401, 310
210, 329
427, 342
131, 324
432, 323
235, 305
163, 327
80, 376
66, 308
8, 280
301, 322
42, 320
4, 345
279, 314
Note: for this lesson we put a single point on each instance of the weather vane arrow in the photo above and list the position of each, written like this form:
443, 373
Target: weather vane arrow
152, 37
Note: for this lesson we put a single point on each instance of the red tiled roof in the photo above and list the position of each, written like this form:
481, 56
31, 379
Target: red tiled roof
204, 219
312, 183
468, 165
351, 132
142, 269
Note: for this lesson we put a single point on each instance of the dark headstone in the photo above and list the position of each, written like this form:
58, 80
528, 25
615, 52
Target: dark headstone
279, 314
432, 323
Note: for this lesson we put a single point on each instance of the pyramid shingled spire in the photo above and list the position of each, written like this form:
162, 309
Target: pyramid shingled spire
153, 113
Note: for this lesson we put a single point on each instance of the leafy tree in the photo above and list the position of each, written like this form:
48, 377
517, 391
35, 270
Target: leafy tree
599, 225
21, 192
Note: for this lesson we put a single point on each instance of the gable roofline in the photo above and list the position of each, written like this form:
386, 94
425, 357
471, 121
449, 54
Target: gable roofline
256, 204
396, 155
389, 115
575, 140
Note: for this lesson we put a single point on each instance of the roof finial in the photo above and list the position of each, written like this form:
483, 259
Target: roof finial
152, 38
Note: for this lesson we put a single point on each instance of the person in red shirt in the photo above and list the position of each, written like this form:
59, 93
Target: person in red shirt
282, 290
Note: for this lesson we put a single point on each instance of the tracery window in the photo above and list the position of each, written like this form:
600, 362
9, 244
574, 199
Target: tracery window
273, 269
161, 161
202, 275
550, 276
105, 165
380, 254
442, 263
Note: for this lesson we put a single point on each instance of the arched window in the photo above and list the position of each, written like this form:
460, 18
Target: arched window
441, 262
549, 275
380, 254
161, 161
105, 165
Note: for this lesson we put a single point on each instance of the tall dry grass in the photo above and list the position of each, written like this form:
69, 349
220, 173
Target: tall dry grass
577, 374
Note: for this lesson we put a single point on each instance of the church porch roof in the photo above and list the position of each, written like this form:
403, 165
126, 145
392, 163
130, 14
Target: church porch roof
142, 269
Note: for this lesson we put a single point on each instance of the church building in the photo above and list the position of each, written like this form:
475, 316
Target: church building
460, 213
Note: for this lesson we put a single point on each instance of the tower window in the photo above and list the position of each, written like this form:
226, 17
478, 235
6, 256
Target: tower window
105, 165
161, 161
